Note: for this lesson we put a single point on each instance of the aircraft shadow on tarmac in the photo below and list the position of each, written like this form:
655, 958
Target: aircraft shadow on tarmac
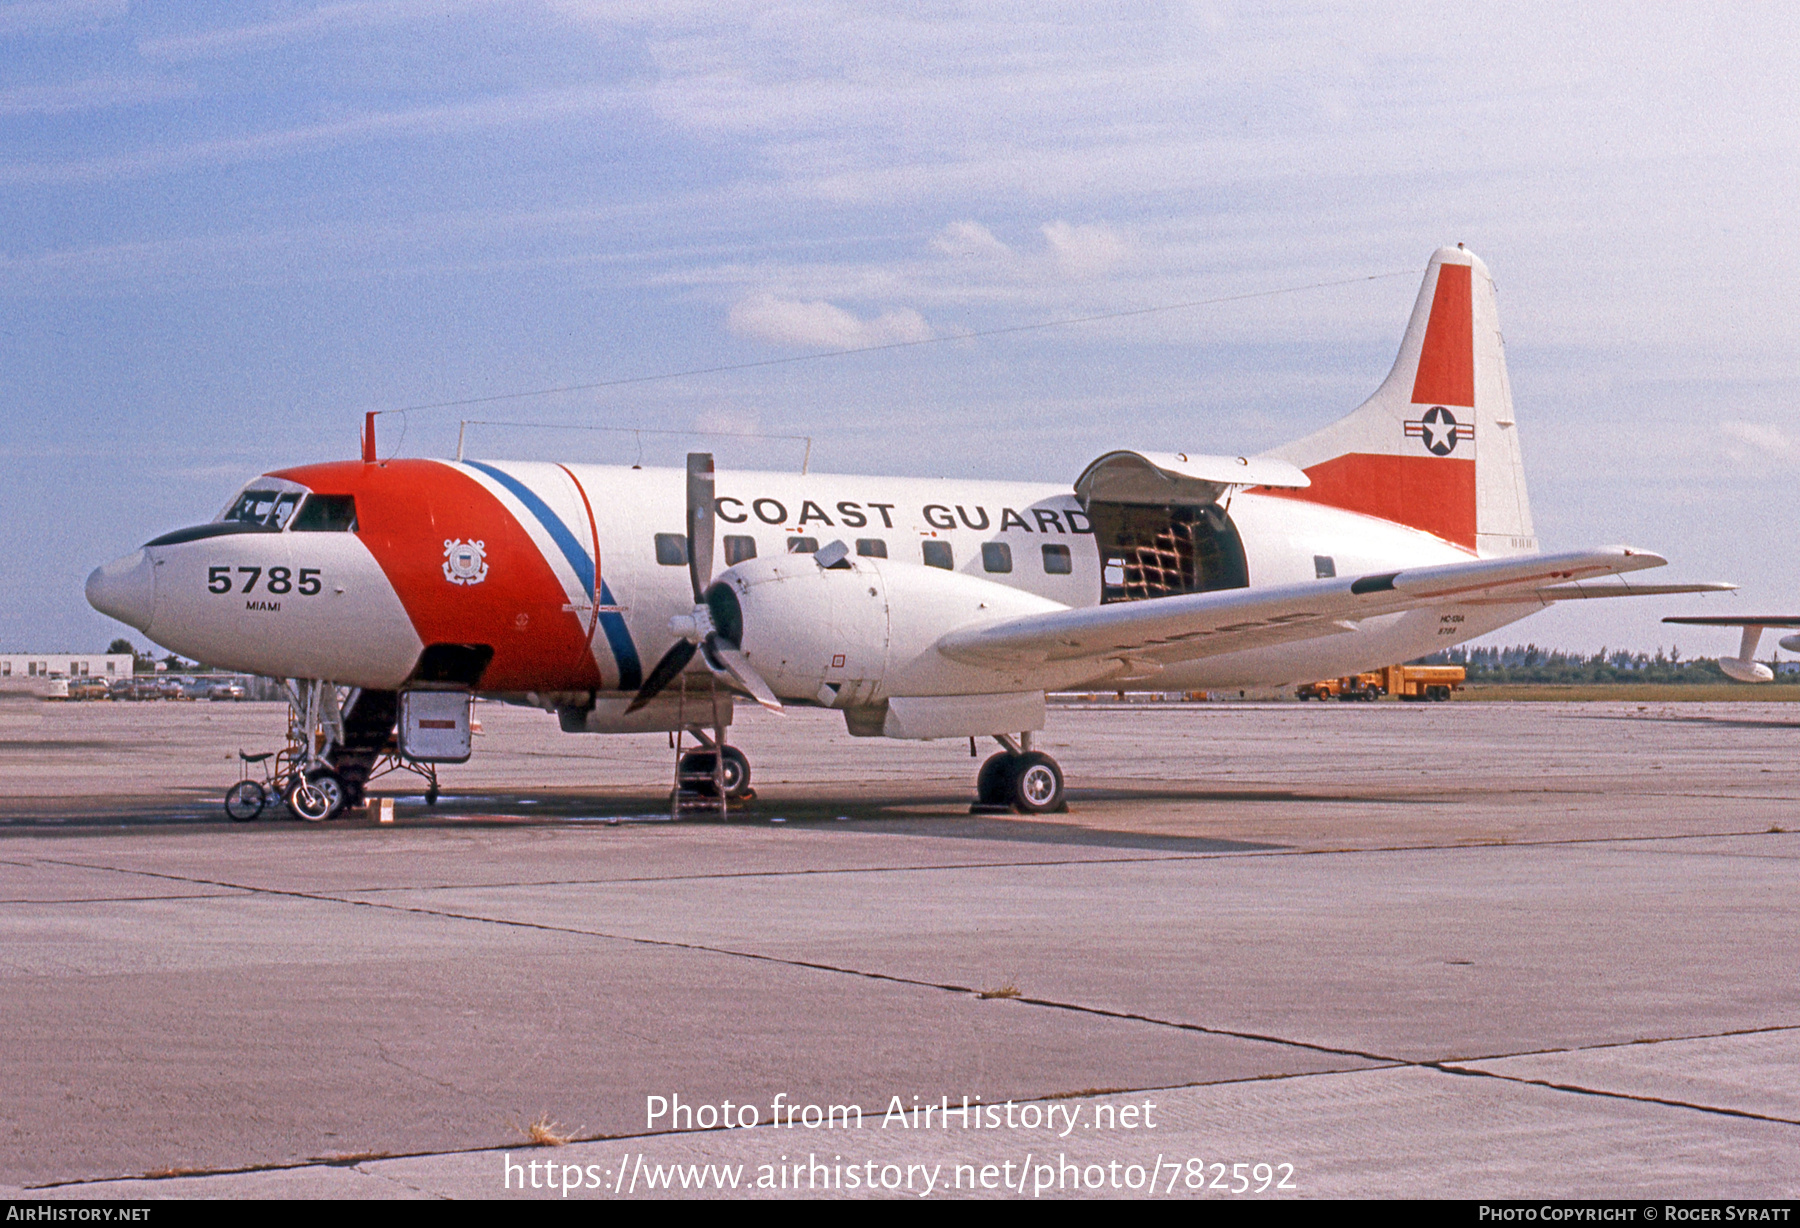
1041, 831
889, 818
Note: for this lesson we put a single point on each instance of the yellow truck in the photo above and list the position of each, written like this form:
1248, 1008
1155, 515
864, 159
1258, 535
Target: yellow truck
1414, 683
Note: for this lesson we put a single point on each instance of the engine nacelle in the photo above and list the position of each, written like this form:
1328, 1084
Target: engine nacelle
854, 634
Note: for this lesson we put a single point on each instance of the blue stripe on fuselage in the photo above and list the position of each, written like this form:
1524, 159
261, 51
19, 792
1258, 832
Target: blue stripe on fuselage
618, 636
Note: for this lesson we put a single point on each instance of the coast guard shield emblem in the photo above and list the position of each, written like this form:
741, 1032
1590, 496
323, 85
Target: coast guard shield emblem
464, 562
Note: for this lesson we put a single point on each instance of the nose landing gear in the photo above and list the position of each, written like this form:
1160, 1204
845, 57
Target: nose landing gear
1019, 779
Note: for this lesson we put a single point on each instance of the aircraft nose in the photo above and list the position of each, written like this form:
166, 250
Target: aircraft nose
125, 589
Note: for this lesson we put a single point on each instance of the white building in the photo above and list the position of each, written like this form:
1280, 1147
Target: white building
107, 665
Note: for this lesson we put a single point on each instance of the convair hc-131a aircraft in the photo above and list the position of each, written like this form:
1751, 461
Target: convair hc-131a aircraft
632, 600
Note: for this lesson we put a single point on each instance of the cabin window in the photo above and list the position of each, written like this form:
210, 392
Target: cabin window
939, 554
1324, 566
996, 556
871, 548
1057, 561
739, 549
671, 549
803, 545
326, 514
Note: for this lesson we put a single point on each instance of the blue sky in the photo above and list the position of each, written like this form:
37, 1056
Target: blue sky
228, 230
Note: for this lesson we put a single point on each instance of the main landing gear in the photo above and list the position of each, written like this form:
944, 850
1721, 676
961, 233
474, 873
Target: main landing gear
1018, 779
710, 779
700, 772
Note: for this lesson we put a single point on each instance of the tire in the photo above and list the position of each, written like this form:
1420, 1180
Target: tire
332, 786
697, 773
993, 784
245, 800
737, 773
1037, 784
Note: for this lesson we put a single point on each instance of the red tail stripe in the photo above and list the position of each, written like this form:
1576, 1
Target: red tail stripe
1447, 359
1433, 493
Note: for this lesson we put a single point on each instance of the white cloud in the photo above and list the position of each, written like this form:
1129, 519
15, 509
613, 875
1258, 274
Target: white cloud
92, 94
57, 16
315, 23
767, 317
1084, 251
1759, 444
966, 239
500, 111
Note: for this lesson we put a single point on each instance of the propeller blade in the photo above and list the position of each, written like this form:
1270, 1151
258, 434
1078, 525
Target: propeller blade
700, 522
673, 662
728, 658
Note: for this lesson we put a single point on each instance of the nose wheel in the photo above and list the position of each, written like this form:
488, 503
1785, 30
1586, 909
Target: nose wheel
1029, 782
316, 796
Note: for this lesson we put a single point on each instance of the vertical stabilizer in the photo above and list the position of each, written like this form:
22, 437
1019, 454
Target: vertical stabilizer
1436, 448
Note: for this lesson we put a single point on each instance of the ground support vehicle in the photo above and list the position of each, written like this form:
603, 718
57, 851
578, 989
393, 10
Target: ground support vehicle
1414, 683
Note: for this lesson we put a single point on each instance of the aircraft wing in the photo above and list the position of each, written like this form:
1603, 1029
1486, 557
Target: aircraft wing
1166, 630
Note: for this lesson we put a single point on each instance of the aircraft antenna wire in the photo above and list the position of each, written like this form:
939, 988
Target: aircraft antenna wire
972, 335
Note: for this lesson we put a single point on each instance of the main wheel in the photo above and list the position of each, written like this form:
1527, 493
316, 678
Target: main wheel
245, 800
332, 786
1037, 784
993, 784
306, 800
697, 773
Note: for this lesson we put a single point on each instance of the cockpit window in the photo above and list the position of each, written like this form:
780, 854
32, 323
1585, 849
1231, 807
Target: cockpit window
268, 508
326, 514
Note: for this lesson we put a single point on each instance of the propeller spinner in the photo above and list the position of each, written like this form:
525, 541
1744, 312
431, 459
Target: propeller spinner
716, 624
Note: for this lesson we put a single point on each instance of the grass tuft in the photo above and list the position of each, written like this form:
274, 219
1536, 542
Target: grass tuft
546, 1133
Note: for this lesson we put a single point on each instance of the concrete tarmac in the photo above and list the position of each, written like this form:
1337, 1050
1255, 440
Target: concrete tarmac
1495, 950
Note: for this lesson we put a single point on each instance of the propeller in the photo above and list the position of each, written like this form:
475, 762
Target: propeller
716, 625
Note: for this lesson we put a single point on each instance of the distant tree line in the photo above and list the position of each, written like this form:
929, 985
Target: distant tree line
1529, 663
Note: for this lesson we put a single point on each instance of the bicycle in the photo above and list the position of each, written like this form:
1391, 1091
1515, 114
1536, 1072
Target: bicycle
313, 797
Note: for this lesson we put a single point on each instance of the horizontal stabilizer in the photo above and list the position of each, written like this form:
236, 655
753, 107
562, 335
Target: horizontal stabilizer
1757, 620
1589, 592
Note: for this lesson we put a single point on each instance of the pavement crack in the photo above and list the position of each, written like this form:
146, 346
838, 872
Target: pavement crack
1452, 1066
1122, 858
134, 899
1579, 1090
786, 961
1626, 1044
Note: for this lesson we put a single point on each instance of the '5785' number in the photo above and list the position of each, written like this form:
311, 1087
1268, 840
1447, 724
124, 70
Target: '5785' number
280, 580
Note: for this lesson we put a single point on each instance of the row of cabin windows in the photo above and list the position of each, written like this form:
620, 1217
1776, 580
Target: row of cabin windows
671, 551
